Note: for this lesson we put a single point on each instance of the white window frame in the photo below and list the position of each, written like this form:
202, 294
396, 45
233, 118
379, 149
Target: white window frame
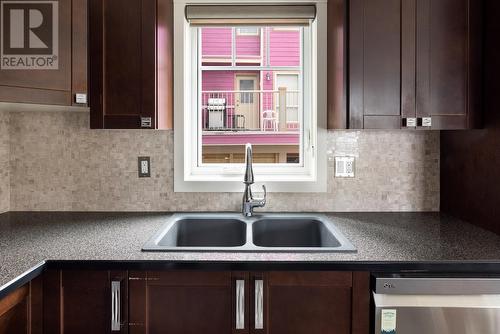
239, 32
278, 28
188, 176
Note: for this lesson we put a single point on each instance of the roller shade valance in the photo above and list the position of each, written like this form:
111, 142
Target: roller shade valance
250, 14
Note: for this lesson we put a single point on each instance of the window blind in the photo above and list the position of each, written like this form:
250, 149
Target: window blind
248, 15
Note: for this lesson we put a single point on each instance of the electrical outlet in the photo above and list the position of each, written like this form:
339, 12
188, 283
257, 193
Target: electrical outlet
344, 166
144, 164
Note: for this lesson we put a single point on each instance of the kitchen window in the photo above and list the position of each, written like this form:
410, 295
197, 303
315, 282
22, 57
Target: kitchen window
249, 75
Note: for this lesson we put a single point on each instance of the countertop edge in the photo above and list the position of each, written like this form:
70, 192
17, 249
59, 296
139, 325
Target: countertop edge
22, 279
485, 267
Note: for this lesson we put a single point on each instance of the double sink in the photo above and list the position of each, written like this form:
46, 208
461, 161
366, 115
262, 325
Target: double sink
261, 233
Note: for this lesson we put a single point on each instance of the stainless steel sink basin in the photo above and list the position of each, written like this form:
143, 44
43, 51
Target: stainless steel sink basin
262, 233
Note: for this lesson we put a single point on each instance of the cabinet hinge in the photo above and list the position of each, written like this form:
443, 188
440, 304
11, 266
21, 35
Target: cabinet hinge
143, 279
136, 324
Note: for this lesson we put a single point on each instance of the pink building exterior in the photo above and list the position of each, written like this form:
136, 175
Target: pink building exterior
270, 46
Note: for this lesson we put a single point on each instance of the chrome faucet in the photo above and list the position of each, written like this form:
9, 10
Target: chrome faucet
248, 201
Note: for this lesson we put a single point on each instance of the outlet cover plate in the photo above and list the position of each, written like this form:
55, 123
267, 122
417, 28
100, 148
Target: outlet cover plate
144, 166
344, 167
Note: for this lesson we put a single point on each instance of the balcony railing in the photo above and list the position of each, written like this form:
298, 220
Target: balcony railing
262, 110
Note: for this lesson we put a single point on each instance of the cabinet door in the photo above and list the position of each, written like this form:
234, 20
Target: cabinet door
80, 301
21, 310
14, 309
311, 303
375, 64
187, 302
448, 62
55, 86
52, 86
122, 43
85, 301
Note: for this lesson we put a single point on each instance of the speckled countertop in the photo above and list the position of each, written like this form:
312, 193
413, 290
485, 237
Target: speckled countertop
27, 239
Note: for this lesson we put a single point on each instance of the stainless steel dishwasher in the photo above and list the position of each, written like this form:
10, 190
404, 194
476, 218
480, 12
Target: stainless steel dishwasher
406, 305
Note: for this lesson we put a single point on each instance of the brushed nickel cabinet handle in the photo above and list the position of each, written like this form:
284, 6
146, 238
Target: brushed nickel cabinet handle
240, 304
259, 304
115, 306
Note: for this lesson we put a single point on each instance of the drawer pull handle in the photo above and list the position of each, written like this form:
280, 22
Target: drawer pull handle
115, 306
240, 304
259, 304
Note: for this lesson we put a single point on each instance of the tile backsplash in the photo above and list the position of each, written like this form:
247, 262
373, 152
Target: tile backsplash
57, 163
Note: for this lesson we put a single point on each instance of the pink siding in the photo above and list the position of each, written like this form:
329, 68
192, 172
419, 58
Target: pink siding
284, 47
252, 138
216, 42
217, 80
247, 46
267, 103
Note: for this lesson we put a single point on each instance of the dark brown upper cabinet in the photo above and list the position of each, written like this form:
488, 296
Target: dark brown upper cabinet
336, 67
414, 64
128, 90
54, 86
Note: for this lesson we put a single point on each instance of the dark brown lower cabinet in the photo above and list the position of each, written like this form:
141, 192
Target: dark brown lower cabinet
14, 311
278, 302
308, 302
21, 310
189, 302
80, 301
182, 302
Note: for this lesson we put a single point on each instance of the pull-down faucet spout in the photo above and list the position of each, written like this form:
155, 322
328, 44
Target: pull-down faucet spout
248, 201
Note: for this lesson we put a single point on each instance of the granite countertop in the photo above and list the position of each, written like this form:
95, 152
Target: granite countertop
28, 239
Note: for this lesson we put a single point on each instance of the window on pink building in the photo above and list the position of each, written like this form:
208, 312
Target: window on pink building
251, 84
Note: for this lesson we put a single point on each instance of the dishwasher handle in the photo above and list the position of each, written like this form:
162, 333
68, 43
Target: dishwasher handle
437, 286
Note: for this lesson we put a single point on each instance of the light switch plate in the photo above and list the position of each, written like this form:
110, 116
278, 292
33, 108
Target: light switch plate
144, 166
344, 166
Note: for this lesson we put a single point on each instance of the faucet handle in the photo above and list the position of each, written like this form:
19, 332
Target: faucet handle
263, 199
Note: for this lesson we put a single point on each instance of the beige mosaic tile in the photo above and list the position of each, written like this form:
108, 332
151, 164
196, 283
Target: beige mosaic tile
57, 163
4, 162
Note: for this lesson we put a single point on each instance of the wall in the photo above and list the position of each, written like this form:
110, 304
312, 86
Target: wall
217, 42
284, 47
57, 163
470, 175
4, 162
